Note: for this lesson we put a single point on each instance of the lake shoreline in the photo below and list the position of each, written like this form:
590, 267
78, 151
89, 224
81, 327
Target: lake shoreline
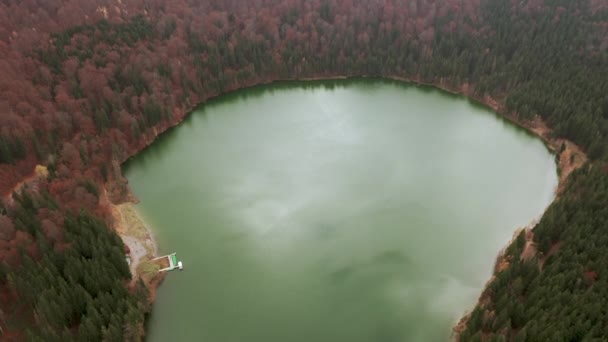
568, 155
139, 238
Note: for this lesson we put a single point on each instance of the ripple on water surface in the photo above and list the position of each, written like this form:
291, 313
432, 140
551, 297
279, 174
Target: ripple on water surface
368, 211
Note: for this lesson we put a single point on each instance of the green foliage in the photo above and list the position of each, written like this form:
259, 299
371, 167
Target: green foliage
169, 28
325, 11
153, 112
564, 301
91, 187
549, 60
11, 150
136, 29
84, 286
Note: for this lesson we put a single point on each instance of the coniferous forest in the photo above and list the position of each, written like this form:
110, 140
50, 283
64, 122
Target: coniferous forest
86, 85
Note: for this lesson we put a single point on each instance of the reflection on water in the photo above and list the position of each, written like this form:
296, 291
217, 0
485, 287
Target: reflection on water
356, 211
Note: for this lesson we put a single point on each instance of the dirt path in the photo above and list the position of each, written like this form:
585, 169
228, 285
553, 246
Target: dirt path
138, 252
130, 224
137, 236
31, 180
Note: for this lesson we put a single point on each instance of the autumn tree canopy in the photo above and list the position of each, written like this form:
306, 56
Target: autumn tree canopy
85, 85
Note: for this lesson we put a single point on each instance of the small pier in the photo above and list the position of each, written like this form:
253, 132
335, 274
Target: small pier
168, 263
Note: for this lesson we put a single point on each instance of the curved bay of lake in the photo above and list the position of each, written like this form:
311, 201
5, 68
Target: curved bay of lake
351, 211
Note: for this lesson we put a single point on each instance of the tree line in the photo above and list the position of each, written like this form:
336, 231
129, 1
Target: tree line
92, 85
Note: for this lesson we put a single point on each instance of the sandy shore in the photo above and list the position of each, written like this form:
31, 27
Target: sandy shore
138, 237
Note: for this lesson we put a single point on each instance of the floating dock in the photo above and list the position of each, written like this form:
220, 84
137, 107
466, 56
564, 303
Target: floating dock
168, 263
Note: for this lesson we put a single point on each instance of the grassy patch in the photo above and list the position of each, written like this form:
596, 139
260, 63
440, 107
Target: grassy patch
147, 270
131, 224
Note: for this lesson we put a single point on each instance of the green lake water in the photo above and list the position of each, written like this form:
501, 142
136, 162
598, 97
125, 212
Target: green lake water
334, 211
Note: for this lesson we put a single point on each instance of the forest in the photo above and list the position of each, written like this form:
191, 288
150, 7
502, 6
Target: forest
86, 85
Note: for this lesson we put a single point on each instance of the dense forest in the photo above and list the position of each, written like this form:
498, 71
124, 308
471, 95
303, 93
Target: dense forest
85, 85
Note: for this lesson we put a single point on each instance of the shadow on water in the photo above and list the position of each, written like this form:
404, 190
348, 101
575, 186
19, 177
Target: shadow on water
390, 259
162, 143
330, 84
368, 83
166, 138
341, 274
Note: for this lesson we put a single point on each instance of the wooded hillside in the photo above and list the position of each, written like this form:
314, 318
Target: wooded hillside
85, 85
